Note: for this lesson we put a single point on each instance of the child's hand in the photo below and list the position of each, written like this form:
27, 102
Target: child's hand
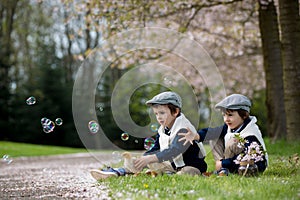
143, 161
187, 137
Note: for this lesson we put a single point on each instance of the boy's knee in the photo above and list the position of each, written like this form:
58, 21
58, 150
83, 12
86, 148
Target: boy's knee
232, 144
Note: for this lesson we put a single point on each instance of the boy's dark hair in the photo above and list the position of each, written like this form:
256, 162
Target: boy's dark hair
242, 113
173, 109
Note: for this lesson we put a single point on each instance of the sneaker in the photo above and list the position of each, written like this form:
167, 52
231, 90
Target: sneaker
223, 172
106, 173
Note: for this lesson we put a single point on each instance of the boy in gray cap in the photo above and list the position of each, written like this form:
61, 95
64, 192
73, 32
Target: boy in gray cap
168, 150
168, 153
236, 114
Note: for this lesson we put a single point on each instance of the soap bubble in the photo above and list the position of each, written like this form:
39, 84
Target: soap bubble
47, 128
58, 121
93, 126
116, 156
145, 73
124, 136
149, 143
45, 121
154, 127
167, 81
7, 159
47, 124
31, 100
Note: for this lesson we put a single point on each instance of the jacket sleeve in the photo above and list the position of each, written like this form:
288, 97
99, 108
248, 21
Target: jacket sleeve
212, 133
174, 150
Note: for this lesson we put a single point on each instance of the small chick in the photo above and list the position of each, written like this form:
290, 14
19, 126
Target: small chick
129, 162
189, 170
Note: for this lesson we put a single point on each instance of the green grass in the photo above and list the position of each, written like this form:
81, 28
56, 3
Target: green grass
14, 149
280, 181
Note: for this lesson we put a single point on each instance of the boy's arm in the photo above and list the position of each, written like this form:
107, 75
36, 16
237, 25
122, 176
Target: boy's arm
173, 151
177, 147
153, 154
202, 134
212, 133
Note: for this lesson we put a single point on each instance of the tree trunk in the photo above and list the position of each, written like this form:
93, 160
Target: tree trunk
276, 124
290, 34
7, 12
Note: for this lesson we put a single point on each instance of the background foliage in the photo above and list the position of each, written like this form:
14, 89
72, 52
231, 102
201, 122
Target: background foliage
43, 43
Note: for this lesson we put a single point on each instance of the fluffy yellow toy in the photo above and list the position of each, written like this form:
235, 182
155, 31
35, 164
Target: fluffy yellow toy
129, 162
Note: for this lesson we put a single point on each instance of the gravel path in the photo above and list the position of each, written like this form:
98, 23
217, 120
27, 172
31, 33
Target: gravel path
52, 177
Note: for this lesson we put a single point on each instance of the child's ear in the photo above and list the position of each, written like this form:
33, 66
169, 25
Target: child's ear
177, 112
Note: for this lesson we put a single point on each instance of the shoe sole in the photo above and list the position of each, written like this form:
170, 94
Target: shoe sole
99, 175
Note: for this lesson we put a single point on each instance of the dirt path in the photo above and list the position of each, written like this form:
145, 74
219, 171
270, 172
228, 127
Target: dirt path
52, 177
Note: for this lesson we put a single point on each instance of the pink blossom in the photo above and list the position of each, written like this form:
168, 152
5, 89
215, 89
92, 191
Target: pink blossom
253, 152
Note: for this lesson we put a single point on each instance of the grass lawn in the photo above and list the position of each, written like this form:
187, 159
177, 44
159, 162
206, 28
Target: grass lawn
23, 149
280, 181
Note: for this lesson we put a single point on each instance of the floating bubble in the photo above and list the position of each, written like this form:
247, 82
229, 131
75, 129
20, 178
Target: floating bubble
7, 159
47, 128
149, 38
58, 121
124, 136
167, 81
154, 127
45, 121
116, 156
149, 143
47, 124
93, 126
31, 100
100, 106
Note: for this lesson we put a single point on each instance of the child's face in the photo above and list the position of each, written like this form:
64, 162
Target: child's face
164, 116
232, 119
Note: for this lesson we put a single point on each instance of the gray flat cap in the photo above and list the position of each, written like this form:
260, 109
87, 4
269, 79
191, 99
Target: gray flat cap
235, 102
166, 98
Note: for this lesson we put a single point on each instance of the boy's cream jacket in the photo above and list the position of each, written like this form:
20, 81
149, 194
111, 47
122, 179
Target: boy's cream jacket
165, 141
250, 130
